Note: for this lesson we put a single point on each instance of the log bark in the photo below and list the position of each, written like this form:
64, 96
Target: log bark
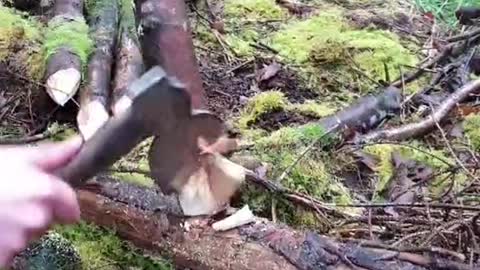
128, 59
167, 41
63, 69
366, 113
152, 221
93, 113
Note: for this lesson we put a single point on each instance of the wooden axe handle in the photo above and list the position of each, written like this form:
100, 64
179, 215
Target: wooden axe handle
115, 139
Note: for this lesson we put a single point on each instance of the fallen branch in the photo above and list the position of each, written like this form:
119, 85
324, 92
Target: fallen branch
366, 113
192, 243
128, 59
464, 36
453, 49
424, 126
167, 41
103, 19
64, 64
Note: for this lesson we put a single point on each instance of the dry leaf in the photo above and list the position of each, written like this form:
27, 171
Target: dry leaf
268, 72
370, 161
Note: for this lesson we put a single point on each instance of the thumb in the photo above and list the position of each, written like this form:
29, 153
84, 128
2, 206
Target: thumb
54, 155
47, 156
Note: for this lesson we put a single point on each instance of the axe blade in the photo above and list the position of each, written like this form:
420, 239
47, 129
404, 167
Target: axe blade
173, 158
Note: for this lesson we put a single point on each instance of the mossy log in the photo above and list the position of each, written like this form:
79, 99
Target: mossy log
151, 221
65, 58
93, 113
128, 59
167, 41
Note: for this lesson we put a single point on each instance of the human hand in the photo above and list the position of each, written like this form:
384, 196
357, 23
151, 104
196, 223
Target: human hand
31, 197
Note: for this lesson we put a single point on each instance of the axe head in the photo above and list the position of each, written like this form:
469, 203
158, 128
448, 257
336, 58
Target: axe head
173, 157
161, 107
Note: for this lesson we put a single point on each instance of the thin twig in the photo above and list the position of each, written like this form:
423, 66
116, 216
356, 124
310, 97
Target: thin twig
413, 205
302, 155
449, 146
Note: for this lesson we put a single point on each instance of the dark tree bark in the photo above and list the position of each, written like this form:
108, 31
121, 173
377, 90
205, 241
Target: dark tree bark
153, 221
128, 59
167, 41
103, 21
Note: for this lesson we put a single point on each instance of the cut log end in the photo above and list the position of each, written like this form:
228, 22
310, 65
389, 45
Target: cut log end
63, 85
91, 117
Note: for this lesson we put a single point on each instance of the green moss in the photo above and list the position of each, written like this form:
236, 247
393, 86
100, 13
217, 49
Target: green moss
17, 30
241, 27
313, 108
73, 34
137, 178
260, 104
417, 151
296, 40
127, 16
254, 9
102, 249
240, 45
310, 175
471, 126
327, 44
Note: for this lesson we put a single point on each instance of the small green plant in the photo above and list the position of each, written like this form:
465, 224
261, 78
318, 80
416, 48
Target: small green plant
471, 127
444, 10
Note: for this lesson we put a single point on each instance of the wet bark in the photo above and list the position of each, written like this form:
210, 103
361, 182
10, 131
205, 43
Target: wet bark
128, 59
153, 221
167, 41
103, 22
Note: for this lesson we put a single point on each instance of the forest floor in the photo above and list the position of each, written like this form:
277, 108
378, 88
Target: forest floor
273, 70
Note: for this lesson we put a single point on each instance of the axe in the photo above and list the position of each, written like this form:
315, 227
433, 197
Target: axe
161, 108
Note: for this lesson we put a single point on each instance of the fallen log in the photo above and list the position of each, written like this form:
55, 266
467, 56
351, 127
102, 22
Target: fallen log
93, 113
67, 47
128, 58
421, 128
167, 41
151, 221
366, 113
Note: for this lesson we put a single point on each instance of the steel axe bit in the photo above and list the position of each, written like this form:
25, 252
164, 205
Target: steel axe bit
161, 107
